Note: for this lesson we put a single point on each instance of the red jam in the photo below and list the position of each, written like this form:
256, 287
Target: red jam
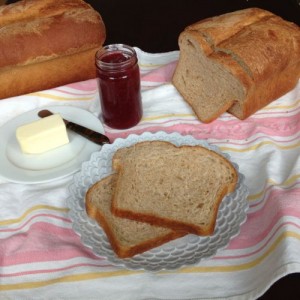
119, 86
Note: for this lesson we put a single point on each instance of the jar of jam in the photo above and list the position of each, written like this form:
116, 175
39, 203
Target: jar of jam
119, 86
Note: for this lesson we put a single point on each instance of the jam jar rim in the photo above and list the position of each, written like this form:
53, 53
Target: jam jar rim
115, 66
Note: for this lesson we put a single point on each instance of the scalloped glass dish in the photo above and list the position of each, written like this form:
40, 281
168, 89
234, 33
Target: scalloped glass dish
188, 250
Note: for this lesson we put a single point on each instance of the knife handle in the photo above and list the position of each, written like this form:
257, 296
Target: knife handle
91, 135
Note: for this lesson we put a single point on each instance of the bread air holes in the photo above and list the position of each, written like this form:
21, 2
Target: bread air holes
199, 205
230, 175
167, 195
183, 80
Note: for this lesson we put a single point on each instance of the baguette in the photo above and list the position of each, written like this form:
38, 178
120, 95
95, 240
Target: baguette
237, 62
177, 187
126, 237
47, 43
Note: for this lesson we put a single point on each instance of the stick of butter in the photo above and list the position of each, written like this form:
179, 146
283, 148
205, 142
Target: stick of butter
42, 135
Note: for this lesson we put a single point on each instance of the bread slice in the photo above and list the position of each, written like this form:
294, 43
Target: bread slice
127, 237
177, 187
237, 62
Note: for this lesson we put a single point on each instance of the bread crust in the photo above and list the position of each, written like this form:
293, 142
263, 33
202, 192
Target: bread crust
39, 33
260, 49
48, 74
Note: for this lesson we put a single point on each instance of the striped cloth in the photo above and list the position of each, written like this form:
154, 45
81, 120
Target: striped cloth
41, 257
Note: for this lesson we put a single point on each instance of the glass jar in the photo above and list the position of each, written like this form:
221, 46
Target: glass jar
119, 86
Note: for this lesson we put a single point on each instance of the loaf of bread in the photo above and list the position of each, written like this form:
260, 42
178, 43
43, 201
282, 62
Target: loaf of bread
126, 237
47, 43
237, 62
176, 187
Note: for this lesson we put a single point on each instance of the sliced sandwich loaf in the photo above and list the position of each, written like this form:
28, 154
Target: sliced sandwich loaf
237, 62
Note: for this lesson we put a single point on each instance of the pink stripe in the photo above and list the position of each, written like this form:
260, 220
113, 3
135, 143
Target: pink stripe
261, 137
88, 85
269, 188
265, 244
186, 130
202, 132
279, 204
236, 129
225, 129
88, 93
46, 271
43, 242
160, 75
32, 218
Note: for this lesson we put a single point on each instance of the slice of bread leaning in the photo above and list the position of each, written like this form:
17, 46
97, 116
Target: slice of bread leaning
237, 62
126, 237
176, 187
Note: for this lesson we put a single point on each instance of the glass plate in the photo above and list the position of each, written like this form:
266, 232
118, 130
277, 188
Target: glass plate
184, 251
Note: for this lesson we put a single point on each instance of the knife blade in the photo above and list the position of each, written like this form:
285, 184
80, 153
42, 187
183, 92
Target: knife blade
95, 137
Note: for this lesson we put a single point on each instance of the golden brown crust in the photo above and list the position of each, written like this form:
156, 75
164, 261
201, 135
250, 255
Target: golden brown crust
264, 92
39, 33
48, 74
223, 27
26, 10
273, 62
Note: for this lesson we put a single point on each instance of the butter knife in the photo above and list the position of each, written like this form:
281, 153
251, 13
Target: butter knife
89, 134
